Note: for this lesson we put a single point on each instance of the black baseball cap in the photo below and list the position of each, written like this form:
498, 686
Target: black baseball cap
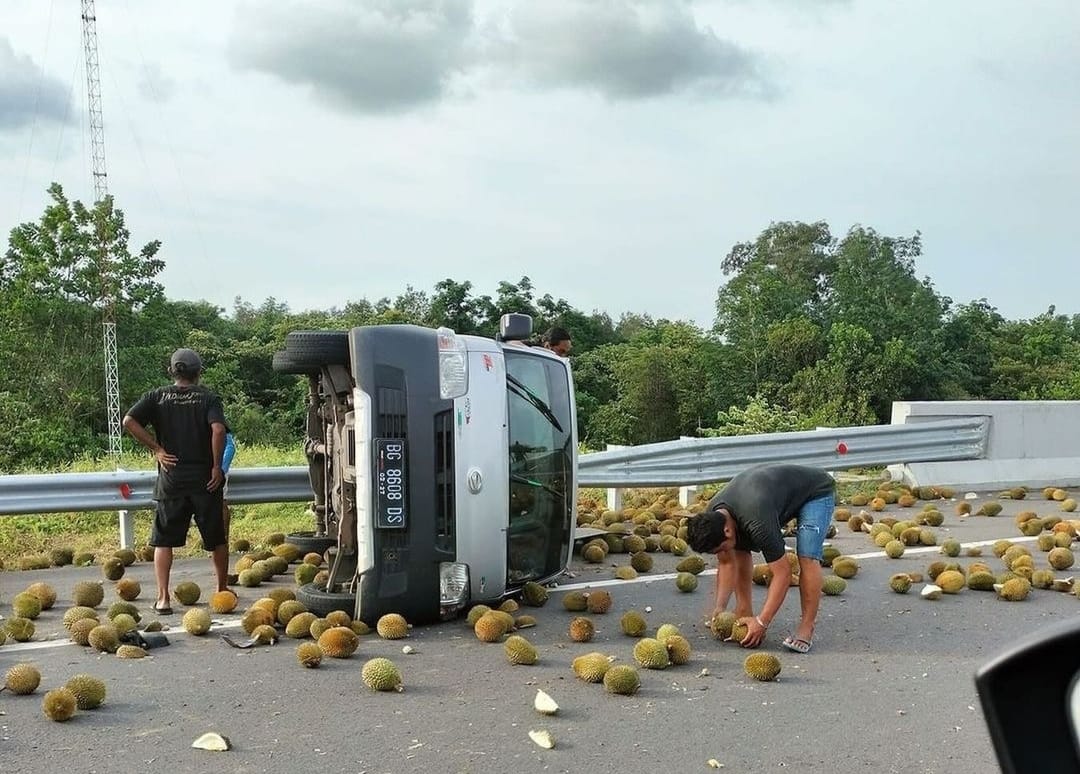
186, 360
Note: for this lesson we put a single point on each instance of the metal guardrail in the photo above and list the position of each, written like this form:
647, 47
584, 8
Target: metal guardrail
673, 463
706, 460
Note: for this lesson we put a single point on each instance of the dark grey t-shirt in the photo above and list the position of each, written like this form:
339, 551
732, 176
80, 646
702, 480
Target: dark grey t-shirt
763, 498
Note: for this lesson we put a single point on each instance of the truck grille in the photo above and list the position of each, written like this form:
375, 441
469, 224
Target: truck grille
392, 419
445, 513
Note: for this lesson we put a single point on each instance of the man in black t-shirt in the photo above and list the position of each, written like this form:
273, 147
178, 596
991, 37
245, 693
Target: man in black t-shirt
749, 514
188, 444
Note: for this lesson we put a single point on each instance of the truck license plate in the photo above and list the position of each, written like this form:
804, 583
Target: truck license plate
390, 483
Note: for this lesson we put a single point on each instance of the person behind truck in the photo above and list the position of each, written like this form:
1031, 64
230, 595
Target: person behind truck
749, 514
558, 341
226, 463
188, 443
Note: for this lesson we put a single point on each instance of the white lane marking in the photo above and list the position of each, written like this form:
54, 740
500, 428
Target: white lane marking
868, 555
22, 647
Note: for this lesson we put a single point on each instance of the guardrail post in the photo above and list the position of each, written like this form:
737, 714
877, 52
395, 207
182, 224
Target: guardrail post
127, 529
615, 494
687, 494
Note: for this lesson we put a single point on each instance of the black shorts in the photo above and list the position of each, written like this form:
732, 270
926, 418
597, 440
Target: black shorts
172, 520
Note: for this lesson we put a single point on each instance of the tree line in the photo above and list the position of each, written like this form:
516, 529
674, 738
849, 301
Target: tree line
811, 329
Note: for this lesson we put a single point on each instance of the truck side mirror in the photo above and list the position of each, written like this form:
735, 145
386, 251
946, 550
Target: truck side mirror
515, 327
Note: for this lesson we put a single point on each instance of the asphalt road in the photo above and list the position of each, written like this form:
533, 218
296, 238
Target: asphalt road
887, 688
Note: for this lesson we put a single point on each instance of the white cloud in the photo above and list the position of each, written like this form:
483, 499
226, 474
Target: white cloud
26, 90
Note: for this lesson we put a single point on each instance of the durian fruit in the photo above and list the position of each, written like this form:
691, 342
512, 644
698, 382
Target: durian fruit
80, 630
1042, 579
763, 667
84, 559
88, 594
1048, 493
339, 642
678, 648
678, 547
916, 577
274, 539
722, 623
45, 594
1060, 558
289, 608
633, 623
1000, 547
222, 602
124, 623
692, 564
1060, 495
761, 574
833, 585
841, 514
859, 500
951, 547
933, 518
338, 618
544, 704
318, 626
575, 602
305, 573
828, 554
20, 629
309, 654
281, 594
990, 508
126, 555
360, 628
581, 629
313, 558
1045, 541
598, 601
980, 580
951, 581
509, 606
1014, 590
594, 553
26, 605
900, 583
978, 567
651, 653
963, 508
524, 622
1062, 539
935, 569
118, 608
686, 581
299, 626
666, 630
739, 631
130, 651
973, 551
534, 594
59, 705
22, 679
855, 523
882, 538
625, 572
128, 589
905, 500
641, 561
153, 626
877, 504
113, 569
89, 691
591, 667
61, 557
196, 621
845, 566
894, 549
633, 544
380, 674
1032, 527
265, 634
520, 651
256, 616
1068, 505
249, 578
622, 679
187, 593
931, 591
104, 638
475, 612
146, 553
392, 626
489, 627
911, 536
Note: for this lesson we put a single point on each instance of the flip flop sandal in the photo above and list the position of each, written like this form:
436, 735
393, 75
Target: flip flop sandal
797, 645
162, 610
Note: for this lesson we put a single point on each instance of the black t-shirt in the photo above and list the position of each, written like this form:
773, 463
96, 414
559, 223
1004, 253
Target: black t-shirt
763, 498
181, 416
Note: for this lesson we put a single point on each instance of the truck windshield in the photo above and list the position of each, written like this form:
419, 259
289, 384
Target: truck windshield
541, 466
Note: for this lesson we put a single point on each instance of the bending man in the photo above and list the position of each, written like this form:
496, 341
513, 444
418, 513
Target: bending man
749, 514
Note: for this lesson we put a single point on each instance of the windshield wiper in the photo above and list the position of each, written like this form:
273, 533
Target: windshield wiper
516, 386
538, 484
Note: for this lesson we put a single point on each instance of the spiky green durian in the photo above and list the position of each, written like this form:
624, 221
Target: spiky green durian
980, 580
196, 621
287, 609
581, 629
88, 594
678, 649
187, 593
575, 601
1015, 590
22, 679
26, 605
45, 594
380, 674
59, 705
534, 594
845, 566
490, 627
61, 557
900, 583
762, 666
1060, 558
722, 623
633, 623
1042, 579
622, 679
651, 653
591, 667
80, 630
474, 614
130, 651
894, 549
299, 626
686, 581
520, 651
309, 654
598, 601
991, 508
89, 691
833, 585
666, 630
104, 638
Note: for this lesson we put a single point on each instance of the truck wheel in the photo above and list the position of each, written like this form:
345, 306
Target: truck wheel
308, 543
283, 363
315, 349
320, 601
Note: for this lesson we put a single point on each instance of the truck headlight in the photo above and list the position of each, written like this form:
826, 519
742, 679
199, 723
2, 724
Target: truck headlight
453, 365
453, 584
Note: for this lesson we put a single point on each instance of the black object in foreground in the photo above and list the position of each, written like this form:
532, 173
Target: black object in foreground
1038, 672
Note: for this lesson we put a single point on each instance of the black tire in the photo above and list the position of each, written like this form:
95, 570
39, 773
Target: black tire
283, 363
321, 602
315, 349
308, 543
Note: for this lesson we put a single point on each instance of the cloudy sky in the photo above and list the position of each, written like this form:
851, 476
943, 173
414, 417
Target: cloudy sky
319, 151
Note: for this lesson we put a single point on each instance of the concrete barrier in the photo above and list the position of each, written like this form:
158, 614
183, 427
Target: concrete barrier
1030, 443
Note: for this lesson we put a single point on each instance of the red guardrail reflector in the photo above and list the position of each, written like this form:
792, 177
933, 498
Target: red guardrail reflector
125, 491
841, 448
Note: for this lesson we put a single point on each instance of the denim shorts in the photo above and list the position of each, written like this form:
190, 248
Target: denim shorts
813, 522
